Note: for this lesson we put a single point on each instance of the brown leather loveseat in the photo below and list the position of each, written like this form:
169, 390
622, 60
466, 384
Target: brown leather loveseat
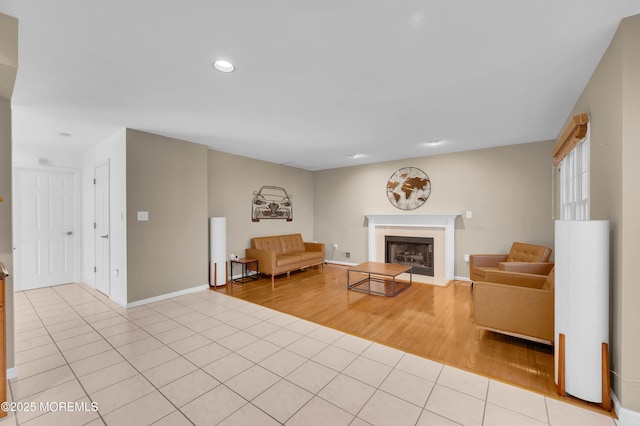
284, 253
523, 257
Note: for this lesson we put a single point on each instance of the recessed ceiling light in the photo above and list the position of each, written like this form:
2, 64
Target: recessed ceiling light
356, 156
434, 142
416, 19
223, 66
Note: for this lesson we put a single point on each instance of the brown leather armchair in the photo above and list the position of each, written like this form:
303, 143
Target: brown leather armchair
516, 304
523, 257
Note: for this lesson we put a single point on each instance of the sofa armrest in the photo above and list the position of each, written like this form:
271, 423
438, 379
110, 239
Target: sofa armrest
486, 260
516, 279
314, 246
266, 259
539, 268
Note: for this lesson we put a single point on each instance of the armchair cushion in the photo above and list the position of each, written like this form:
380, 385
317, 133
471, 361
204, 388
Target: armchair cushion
522, 252
538, 268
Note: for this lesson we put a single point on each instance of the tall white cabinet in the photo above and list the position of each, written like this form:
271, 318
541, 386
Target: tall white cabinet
582, 307
217, 251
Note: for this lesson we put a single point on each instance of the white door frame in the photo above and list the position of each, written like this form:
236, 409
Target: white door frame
107, 163
17, 280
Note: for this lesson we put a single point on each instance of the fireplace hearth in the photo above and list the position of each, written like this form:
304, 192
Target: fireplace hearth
416, 252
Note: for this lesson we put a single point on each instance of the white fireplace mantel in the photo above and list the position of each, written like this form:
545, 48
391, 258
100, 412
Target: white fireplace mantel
446, 221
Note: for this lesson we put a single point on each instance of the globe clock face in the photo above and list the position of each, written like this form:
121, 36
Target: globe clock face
408, 188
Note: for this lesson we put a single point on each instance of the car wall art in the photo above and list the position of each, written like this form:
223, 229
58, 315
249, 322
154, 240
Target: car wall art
271, 202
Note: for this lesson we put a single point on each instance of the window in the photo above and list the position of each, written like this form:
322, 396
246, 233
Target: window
574, 182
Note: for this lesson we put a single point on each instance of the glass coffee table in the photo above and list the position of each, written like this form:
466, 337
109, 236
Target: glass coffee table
378, 278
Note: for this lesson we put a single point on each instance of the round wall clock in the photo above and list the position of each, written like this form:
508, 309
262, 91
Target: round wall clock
408, 188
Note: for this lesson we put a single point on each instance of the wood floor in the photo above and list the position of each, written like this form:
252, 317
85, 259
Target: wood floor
426, 320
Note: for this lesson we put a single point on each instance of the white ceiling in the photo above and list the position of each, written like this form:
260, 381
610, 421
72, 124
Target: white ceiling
315, 81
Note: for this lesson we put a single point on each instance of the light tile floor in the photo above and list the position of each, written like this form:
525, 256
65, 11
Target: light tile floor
206, 358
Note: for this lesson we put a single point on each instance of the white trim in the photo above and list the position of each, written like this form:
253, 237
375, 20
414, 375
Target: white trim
12, 373
336, 262
122, 303
575, 182
446, 221
626, 417
250, 273
166, 296
106, 162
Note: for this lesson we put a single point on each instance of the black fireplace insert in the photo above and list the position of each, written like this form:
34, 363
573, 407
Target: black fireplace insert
414, 251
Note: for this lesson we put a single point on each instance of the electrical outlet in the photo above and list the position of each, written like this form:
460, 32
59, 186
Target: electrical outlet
335, 246
347, 254
466, 257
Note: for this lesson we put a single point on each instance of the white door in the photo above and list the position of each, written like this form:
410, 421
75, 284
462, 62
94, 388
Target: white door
103, 260
44, 227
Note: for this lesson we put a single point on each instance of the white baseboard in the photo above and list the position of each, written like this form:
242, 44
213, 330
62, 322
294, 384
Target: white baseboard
166, 296
336, 262
119, 302
626, 417
12, 373
238, 276
341, 263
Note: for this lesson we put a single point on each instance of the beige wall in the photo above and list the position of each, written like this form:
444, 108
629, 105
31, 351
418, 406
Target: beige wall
168, 178
507, 189
630, 231
8, 54
8, 68
232, 181
612, 98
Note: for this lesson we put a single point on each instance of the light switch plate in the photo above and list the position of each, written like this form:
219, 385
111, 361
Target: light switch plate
143, 216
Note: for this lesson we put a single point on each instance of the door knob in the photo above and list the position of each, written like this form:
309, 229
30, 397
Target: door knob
68, 233
105, 236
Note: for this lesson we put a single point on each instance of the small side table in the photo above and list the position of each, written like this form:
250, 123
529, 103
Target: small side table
246, 268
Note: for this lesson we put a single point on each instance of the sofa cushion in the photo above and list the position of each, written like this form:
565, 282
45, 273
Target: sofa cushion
291, 243
285, 259
523, 252
267, 243
306, 255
